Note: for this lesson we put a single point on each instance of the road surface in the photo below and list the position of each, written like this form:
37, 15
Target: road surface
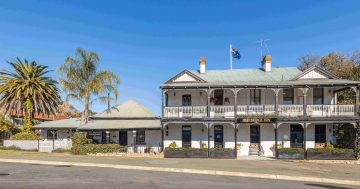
50, 176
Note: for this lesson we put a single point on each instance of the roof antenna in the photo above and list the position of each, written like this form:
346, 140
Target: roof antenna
263, 45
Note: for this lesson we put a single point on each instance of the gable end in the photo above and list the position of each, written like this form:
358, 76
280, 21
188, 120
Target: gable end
185, 77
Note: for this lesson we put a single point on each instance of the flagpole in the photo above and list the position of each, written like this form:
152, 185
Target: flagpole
230, 57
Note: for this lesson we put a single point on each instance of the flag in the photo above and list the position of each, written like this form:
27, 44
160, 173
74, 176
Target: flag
235, 53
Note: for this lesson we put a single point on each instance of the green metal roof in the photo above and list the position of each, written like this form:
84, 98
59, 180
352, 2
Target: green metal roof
121, 124
248, 75
71, 123
128, 109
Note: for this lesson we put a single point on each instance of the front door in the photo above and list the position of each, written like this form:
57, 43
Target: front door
123, 138
219, 97
219, 136
255, 135
296, 136
186, 136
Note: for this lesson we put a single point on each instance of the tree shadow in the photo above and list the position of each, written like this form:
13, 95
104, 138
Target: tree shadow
328, 186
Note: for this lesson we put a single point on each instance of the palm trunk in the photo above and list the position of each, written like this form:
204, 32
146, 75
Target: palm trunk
86, 110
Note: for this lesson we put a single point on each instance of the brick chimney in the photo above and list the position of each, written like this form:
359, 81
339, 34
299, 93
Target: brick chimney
202, 63
266, 63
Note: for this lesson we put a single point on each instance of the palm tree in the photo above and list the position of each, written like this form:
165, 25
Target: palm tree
81, 79
25, 90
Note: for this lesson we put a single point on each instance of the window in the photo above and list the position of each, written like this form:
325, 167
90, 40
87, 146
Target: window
166, 99
140, 137
186, 136
320, 133
255, 96
186, 100
318, 96
296, 136
288, 96
51, 136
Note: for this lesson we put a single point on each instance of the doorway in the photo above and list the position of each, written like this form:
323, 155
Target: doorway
186, 136
123, 138
296, 136
219, 97
255, 136
219, 136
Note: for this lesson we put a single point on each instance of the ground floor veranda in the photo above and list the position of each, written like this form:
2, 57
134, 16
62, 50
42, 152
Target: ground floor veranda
251, 138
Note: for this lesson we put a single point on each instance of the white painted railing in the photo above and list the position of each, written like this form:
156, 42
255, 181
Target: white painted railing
222, 111
255, 109
283, 110
291, 110
330, 110
185, 111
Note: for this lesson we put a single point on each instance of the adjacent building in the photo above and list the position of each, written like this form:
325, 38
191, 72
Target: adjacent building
255, 111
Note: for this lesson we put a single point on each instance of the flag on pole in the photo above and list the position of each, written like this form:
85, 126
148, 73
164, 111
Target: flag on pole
235, 53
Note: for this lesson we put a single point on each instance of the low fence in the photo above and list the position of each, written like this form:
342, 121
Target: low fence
40, 145
23, 144
144, 149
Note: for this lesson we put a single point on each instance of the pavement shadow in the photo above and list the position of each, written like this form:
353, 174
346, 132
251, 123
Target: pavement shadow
328, 186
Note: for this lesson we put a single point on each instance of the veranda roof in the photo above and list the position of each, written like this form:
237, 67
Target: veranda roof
126, 124
71, 123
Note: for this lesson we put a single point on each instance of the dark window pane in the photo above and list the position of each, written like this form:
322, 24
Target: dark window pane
140, 137
255, 96
318, 96
288, 96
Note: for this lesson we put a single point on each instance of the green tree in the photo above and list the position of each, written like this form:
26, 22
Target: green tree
83, 81
26, 90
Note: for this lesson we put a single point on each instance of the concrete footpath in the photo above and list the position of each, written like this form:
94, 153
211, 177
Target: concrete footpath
345, 174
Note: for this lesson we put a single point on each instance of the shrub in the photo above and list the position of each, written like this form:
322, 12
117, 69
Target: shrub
332, 150
291, 150
328, 145
10, 148
25, 135
96, 148
222, 149
60, 150
173, 145
79, 138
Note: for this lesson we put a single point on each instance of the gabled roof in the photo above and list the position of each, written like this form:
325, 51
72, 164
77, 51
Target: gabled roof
184, 72
317, 69
128, 109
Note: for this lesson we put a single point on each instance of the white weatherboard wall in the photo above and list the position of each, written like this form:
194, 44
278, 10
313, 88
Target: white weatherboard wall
152, 138
244, 139
313, 75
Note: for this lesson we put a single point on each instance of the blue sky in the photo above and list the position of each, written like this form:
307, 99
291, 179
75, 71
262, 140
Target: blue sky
147, 42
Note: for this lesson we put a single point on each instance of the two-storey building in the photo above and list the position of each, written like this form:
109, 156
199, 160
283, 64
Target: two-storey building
251, 110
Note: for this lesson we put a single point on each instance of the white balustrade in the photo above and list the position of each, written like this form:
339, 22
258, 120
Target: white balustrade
222, 111
283, 110
291, 110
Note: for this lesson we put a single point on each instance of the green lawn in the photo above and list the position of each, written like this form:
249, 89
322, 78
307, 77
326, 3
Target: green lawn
18, 152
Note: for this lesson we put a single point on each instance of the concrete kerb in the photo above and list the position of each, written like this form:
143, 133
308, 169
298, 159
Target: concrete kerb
192, 171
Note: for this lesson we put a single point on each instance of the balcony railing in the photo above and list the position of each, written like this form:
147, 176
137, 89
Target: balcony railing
283, 110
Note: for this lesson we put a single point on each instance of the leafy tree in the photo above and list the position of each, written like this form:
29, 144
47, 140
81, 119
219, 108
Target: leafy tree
6, 127
83, 81
345, 136
26, 91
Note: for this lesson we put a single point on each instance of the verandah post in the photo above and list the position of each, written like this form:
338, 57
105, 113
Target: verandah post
276, 140
208, 130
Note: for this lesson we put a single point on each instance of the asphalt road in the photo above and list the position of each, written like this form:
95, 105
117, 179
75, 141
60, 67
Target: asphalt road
49, 176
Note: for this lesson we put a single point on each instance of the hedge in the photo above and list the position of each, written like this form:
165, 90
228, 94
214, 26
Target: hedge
10, 148
185, 149
25, 135
332, 150
291, 150
222, 149
96, 148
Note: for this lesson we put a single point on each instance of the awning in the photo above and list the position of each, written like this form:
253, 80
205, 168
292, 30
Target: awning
123, 124
71, 123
